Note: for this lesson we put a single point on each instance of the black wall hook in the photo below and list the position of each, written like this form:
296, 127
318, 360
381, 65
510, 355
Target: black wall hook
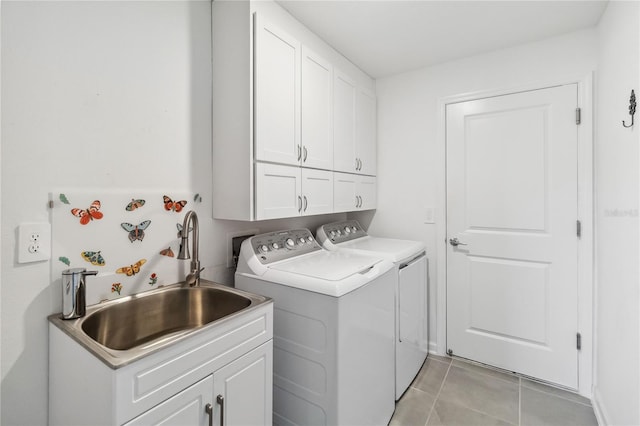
632, 108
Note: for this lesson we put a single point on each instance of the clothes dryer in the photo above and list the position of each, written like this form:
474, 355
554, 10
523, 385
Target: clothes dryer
333, 328
410, 261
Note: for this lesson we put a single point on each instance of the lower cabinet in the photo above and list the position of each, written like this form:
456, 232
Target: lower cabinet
243, 389
219, 375
237, 394
188, 407
288, 191
354, 192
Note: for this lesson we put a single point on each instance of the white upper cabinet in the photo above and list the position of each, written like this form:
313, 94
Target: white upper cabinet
366, 146
354, 115
354, 192
317, 189
278, 191
283, 97
277, 94
344, 123
286, 191
293, 98
317, 119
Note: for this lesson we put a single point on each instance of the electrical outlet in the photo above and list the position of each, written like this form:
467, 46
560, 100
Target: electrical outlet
34, 242
234, 249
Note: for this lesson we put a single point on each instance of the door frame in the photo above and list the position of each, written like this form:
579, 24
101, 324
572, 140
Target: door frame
585, 215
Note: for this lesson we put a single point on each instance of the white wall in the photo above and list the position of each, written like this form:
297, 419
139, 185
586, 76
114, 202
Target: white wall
0, 202
97, 95
617, 365
408, 129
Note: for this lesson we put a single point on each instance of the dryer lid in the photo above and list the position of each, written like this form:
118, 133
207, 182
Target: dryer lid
388, 248
327, 265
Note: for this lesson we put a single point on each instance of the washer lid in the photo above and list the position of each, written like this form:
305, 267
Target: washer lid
327, 265
387, 248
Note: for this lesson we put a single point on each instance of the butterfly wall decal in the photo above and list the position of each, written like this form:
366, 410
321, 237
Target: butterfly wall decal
170, 205
63, 199
134, 204
131, 269
87, 215
179, 226
167, 252
94, 257
136, 232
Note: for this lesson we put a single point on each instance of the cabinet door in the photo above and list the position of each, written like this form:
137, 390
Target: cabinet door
244, 389
367, 190
344, 192
344, 123
184, 408
366, 132
278, 191
317, 192
277, 94
317, 108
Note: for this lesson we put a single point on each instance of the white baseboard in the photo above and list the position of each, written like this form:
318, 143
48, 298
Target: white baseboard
598, 409
433, 349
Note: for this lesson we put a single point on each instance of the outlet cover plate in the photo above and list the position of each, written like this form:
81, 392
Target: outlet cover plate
34, 242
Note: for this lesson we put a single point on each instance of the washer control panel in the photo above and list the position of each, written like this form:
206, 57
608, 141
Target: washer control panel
282, 245
340, 232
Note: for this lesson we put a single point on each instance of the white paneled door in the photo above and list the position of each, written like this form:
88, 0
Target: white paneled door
511, 232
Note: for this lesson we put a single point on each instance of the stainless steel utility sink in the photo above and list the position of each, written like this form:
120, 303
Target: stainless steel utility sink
126, 329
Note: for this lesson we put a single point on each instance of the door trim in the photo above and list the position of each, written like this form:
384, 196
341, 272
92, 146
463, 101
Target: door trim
585, 215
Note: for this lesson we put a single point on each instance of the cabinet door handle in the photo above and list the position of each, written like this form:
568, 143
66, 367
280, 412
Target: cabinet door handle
304, 158
360, 198
356, 201
305, 203
209, 410
299, 152
220, 401
360, 164
299, 204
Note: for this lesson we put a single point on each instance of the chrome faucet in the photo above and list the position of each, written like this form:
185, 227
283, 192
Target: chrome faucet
193, 278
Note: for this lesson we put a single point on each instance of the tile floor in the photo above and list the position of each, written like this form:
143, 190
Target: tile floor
455, 392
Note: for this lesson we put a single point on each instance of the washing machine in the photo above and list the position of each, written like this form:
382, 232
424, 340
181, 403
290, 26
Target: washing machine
333, 328
410, 261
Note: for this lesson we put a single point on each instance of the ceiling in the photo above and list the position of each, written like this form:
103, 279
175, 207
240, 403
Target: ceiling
387, 37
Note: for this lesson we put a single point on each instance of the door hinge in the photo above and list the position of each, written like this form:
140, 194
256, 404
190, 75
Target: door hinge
578, 228
578, 341
578, 115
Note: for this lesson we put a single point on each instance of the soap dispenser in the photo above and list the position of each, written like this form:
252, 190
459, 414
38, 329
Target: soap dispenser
74, 304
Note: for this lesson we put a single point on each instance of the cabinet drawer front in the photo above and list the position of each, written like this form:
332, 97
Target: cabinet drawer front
143, 385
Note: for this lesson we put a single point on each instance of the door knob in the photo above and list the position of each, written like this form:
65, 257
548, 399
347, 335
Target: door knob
454, 242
